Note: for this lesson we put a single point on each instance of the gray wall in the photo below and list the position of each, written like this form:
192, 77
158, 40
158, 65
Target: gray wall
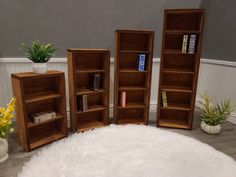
77, 23
220, 30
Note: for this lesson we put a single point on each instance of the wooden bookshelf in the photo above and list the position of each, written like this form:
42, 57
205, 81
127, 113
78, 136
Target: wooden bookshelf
136, 84
81, 64
39, 93
179, 71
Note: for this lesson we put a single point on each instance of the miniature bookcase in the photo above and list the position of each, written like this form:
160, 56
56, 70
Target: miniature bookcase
133, 70
180, 58
37, 93
89, 106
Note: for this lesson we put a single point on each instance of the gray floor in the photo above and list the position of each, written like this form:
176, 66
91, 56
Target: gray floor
225, 142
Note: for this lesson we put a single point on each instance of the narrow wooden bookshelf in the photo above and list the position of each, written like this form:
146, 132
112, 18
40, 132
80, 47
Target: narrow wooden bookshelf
82, 64
136, 83
37, 93
179, 69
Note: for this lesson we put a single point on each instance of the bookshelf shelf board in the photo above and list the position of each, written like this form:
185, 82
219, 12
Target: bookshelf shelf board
178, 71
89, 91
133, 105
132, 88
134, 51
176, 89
131, 71
177, 52
41, 97
181, 32
93, 109
171, 123
45, 139
31, 124
130, 121
90, 125
89, 71
182, 107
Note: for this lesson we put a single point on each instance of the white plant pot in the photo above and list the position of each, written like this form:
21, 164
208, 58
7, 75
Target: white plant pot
3, 150
211, 129
39, 68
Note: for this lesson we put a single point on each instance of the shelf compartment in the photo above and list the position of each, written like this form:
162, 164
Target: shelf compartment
31, 124
179, 62
90, 126
134, 41
134, 114
129, 61
41, 97
177, 89
173, 42
89, 61
177, 80
133, 105
85, 91
130, 121
132, 80
90, 119
93, 109
185, 21
44, 134
174, 118
134, 98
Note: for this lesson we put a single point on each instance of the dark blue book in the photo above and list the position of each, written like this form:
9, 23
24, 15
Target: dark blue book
141, 62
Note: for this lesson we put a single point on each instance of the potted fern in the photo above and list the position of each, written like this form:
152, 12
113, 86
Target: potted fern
213, 115
39, 54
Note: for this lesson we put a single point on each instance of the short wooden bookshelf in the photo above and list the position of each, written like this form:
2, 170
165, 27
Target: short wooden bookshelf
37, 93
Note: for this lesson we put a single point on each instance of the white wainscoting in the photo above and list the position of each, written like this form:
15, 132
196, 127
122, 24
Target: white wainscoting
215, 77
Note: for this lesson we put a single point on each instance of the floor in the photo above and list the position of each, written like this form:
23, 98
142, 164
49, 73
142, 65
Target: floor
225, 142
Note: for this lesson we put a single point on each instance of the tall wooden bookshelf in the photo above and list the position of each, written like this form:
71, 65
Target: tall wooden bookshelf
37, 93
81, 64
179, 71
136, 84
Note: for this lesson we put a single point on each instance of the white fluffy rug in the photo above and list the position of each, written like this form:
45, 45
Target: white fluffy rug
129, 151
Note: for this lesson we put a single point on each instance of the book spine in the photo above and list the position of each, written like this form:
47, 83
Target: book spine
185, 43
164, 99
123, 99
95, 81
141, 62
85, 103
192, 41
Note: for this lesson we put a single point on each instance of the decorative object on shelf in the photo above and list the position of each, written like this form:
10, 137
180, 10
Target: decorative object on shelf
213, 115
185, 43
39, 54
133, 72
88, 74
123, 99
164, 99
43, 116
179, 66
37, 93
95, 81
141, 62
6, 115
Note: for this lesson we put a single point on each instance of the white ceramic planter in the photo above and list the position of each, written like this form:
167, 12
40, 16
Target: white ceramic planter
39, 68
3, 150
211, 129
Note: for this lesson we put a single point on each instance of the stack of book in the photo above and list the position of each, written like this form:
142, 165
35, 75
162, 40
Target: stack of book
188, 44
141, 62
164, 99
43, 116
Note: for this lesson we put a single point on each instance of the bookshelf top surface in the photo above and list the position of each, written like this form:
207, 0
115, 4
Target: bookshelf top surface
87, 50
134, 31
184, 10
32, 74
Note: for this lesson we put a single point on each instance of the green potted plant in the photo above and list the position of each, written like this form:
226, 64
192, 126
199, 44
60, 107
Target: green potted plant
213, 115
39, 54
6, 128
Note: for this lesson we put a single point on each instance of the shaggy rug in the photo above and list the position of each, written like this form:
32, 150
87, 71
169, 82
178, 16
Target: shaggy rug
129, 151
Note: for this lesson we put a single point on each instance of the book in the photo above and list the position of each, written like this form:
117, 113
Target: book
141, 62
85, 103
164, 99
185, 44
192, 41
95, 81
43, 116
123, 98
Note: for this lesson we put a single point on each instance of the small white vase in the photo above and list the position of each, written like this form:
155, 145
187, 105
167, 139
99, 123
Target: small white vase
39, 68
3, 150
211, 129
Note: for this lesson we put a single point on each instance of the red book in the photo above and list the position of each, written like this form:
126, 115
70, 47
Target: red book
123, 99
